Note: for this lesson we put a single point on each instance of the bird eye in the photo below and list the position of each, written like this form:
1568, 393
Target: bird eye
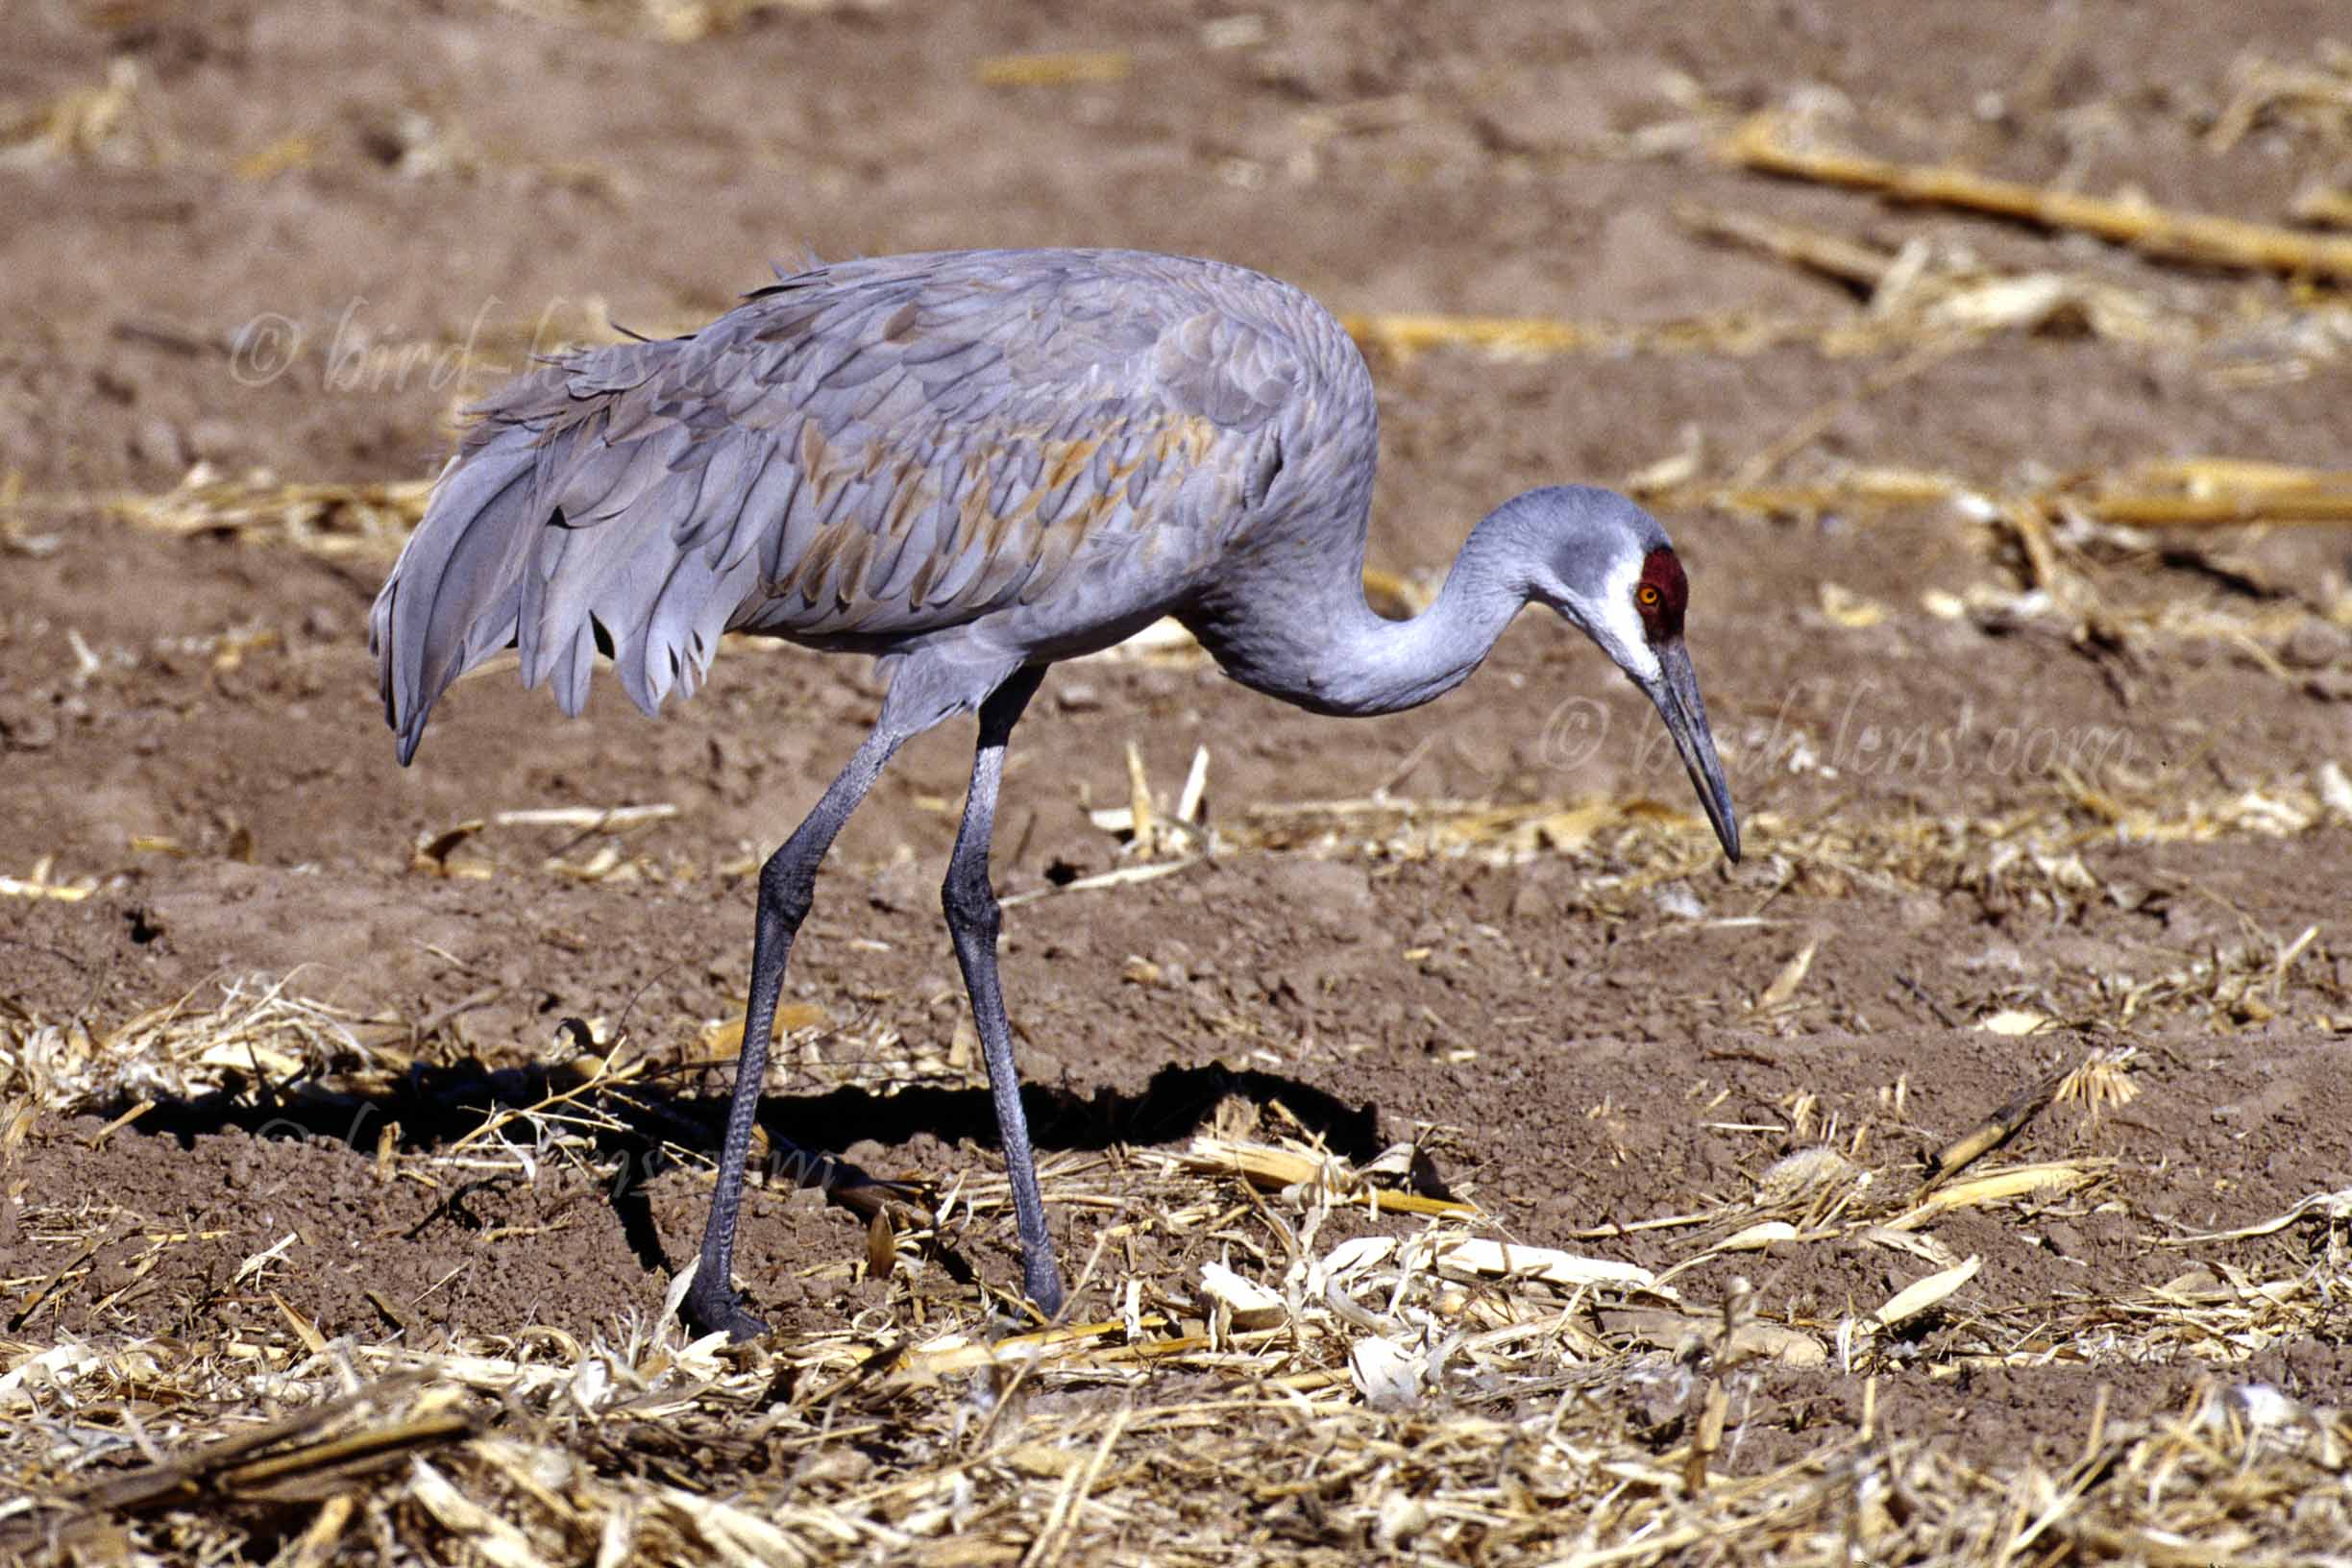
1647, 597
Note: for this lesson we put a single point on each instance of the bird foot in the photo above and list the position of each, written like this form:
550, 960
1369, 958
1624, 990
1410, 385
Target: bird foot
1043, 1281
712, 1311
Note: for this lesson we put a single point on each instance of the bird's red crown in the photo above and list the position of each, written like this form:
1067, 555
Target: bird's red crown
1661, 594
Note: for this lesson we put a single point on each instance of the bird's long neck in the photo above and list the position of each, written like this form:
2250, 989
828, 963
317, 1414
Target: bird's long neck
1314, 641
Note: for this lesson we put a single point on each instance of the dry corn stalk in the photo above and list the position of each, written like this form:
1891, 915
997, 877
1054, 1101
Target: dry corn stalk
1762, 143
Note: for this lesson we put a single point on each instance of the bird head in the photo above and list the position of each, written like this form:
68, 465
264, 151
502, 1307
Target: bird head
1606, 565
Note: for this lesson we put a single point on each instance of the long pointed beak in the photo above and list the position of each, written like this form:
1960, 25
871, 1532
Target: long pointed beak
1679, 703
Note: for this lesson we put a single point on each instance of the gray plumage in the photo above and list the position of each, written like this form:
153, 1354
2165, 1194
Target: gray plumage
869, 456
972, 464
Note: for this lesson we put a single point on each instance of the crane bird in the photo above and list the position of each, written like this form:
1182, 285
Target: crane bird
972, 464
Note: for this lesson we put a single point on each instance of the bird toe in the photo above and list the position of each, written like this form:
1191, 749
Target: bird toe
1043, 1282
723, 1313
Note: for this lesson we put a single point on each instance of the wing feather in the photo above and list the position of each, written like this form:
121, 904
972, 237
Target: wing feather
874, 450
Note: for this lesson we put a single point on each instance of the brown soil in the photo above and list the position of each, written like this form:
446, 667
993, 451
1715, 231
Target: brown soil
188, 724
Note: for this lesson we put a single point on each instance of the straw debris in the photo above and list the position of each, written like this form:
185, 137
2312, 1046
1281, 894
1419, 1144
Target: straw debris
1767, 143
114, 122
1340, 1364
337, 521
182, 1050
674, 21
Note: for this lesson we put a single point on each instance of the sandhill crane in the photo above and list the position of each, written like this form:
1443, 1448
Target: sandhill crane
972, 464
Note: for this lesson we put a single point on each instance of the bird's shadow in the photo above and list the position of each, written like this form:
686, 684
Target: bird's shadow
642, 1129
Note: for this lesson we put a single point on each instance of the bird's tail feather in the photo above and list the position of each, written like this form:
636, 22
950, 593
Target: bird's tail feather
561, 548
452, 598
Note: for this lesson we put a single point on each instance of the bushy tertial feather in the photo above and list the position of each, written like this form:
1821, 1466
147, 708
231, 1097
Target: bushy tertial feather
861, 455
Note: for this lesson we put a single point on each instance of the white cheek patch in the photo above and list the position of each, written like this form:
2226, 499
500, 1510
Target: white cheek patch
1617, 625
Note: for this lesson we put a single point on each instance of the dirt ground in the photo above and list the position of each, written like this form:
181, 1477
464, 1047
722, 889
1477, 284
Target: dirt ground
2061, 777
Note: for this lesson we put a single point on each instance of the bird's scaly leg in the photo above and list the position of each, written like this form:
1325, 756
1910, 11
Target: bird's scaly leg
787, 883
972, 924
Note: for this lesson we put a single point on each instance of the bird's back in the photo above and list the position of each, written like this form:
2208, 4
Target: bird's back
1035, 448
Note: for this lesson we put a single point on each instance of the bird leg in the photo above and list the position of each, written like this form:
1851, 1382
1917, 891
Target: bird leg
972, 924
787, 884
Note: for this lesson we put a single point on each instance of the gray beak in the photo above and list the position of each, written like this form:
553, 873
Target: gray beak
1677, 695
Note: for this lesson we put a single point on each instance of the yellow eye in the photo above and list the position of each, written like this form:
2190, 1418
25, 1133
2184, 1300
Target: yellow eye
1647, 597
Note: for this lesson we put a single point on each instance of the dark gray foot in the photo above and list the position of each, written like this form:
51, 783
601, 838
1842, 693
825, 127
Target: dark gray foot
1043, 1282
713, 1310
